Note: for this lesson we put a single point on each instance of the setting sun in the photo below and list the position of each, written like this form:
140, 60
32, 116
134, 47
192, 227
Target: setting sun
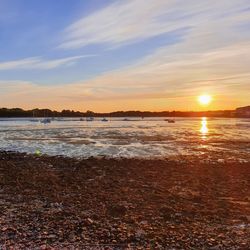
204, 99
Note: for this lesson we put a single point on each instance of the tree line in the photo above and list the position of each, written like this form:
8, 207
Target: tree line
18, 112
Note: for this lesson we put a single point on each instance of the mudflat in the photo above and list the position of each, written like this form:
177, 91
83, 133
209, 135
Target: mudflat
100, 203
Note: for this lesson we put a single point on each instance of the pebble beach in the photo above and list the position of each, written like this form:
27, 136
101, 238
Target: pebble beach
55, 202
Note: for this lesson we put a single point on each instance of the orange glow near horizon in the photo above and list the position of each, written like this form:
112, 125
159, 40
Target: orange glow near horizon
186, 104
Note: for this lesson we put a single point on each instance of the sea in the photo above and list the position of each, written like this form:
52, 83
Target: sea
127, 137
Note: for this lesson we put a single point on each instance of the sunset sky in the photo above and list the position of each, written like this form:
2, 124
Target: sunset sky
105, 55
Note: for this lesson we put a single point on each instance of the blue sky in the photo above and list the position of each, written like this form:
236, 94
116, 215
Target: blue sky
112, 55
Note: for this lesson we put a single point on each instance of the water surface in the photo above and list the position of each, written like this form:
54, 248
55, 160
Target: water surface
134, 137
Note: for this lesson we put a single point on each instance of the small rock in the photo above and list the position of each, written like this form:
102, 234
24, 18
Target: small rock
221, 160
117, 210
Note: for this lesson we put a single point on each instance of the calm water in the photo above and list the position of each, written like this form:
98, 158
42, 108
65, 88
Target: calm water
151, 137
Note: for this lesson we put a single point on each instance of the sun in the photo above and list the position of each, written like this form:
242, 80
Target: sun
204, 99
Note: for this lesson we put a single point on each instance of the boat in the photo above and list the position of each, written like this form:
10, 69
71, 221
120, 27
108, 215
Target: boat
34, 120
169, 120
45, 120
81, 119
104, 120
90, 119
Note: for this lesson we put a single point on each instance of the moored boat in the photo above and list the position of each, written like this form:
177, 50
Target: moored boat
169, 120
90, 119
45, 120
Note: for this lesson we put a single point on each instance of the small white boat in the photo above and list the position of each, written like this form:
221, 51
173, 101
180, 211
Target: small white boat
46, 120
90, 119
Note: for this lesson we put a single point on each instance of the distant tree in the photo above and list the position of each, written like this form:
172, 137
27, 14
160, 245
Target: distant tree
89, 113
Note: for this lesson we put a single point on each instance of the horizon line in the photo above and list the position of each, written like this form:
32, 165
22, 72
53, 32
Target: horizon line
142, 111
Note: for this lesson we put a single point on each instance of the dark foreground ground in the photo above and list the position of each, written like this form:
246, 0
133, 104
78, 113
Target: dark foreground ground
63, 203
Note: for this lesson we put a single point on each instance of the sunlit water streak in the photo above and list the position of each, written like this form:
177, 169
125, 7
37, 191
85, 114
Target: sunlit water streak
151, 137
204, 128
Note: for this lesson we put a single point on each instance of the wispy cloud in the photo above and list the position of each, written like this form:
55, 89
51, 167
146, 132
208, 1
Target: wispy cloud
215, 71
39, 63
175, 82
133, 20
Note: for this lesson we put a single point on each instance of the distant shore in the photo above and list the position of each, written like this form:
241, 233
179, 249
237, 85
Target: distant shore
243, 112
181, 203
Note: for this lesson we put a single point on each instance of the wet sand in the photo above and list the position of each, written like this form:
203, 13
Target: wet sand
99, 203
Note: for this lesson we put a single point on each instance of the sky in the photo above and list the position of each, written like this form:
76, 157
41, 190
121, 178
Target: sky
109, 55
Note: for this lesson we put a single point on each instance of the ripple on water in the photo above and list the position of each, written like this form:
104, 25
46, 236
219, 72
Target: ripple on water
147, 138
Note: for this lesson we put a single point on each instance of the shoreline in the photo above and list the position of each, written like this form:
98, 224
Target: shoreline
199, 157
130, 117
182, 202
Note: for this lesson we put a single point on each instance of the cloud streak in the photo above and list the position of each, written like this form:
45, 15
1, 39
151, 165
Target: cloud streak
134, 20
39, 63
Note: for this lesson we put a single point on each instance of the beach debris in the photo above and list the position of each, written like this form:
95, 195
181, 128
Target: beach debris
38, 152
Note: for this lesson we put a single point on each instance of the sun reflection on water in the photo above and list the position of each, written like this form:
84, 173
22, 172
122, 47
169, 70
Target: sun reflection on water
204, 128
